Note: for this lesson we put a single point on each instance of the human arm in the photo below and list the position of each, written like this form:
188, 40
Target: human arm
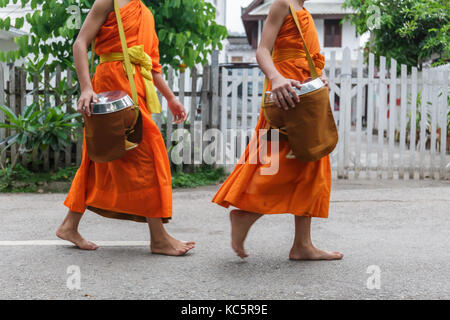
281, 87
94, 20
175, 106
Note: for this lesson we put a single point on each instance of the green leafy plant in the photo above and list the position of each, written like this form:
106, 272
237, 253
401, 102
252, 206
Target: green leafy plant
204, 175
187, 30
20, 179
410, 31
38, 128
9, 176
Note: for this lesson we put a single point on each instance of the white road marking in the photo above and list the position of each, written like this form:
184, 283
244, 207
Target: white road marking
67, 243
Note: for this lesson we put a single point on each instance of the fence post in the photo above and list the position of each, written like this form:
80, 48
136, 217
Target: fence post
35, 152
434, 90
443, 117
345, 113
206, 114
413, 123
255, 97
370, 113
169, 114
359, 85
215, 81
332, 96
56, 153
423, 122
404, 91
157, 117
244, 117
392, 116
193, 114
68, 149
12, 105
205, 100
224, 114
2, 116
381, 116
22, 83
46, 152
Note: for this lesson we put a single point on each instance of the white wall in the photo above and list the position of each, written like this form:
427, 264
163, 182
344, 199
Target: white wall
248, 56
349, 39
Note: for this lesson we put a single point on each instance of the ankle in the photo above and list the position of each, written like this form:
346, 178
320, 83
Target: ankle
301, 245
159, 240
64, 227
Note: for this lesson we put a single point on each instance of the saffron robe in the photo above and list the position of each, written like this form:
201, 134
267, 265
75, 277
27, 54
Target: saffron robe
299, 188
137, 186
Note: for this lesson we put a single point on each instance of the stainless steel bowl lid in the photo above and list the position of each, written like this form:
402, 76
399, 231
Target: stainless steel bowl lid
310, 86
307, 87
111, 101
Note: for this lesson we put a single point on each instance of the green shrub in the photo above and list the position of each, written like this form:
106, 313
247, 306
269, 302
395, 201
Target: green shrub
201, 176
39, 127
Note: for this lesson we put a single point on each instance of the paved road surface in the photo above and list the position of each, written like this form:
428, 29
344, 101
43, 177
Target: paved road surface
399, 228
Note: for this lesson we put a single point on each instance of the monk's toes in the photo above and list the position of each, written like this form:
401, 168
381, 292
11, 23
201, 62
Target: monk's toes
92, 246
240, 252
188, 245
184, 250
87, 245
243, 255
333, 255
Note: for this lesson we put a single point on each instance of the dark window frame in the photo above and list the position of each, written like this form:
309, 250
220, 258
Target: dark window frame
332, 29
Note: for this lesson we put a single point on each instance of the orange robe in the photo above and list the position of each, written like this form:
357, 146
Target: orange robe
300, 188
139, 184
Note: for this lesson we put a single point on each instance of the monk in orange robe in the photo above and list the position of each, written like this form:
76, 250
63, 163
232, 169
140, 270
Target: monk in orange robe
299, 188
137, 186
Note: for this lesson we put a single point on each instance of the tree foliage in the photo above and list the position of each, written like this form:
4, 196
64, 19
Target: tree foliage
187, 30
410, 31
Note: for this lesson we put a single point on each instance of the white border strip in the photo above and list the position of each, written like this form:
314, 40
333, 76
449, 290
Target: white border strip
67, 243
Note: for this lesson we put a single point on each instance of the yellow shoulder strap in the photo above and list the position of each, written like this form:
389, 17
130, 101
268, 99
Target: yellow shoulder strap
312, 67
126, 57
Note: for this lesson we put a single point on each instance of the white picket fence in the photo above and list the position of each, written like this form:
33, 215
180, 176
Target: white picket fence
377, 137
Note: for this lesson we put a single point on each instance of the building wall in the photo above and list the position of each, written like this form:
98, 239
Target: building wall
248, 55
349, 39
221, 18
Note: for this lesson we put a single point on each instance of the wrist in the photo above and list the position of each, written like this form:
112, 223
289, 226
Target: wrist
172, 98
86, 87
275, 78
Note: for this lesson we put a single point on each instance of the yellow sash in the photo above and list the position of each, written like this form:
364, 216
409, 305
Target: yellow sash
139, 56
281, 54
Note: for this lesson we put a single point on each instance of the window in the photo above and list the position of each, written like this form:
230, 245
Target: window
237, 59
333, 33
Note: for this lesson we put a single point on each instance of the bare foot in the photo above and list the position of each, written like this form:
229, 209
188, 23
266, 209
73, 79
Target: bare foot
75, 237
171, 246
312, 253
241, 221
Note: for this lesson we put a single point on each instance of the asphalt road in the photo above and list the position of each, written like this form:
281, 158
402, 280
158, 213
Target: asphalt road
398, 231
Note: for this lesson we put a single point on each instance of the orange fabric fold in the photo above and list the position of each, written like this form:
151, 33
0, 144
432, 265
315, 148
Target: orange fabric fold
140, 182
299, 188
